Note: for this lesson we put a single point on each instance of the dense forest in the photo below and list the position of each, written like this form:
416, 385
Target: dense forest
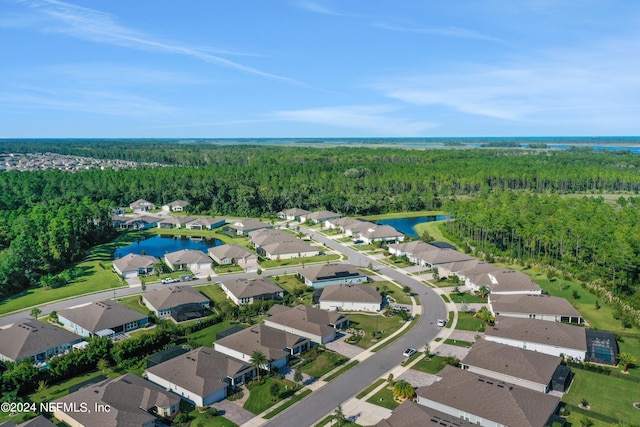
585, 236
49, 218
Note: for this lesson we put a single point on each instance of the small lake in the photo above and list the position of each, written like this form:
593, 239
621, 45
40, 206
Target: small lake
406, 225
158, 246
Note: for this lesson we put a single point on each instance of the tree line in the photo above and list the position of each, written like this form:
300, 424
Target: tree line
49, 218
583, 236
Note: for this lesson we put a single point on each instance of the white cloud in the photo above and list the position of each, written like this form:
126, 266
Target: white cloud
368, 119
455, 32
100, 27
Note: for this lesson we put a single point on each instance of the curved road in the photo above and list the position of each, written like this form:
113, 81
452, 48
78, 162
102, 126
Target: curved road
324, 400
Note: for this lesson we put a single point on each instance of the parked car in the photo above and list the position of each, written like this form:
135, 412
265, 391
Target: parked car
168, 280
442, 322
409, 352
358, 242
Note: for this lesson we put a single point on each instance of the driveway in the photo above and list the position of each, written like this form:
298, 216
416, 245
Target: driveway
341, 347
233, 411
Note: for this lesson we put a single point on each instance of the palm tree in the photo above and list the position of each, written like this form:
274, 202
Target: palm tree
402, 389
626, 360
483, 292
258, 360
485, 315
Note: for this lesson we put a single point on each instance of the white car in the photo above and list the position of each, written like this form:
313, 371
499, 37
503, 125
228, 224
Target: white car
441, 322
169, 280
409, 352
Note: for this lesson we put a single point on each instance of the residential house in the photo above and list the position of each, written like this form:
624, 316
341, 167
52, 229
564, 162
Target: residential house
132, 265
465, 269
380, 233
319, 216
277, 345
434, 256
141, 206
278, 244
320, 276
410, 414
205, 223
351, 297
534, 306
180, 303
486, 401
233, 255
188, 259
174, 222
36, 340
245, 226
552, 338
341, 224
317, 325
247, 291
409, 248
101, 318
202, 376
131, 401
529, 369
293, 214
142, 222
503, 281
176, 206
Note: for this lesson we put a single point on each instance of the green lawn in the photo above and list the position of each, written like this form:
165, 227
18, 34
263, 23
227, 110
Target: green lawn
433, 228
325, 362
133, 302
466, 298
384, 398
95, 275
631, 345
369, 389
369, 324
217, 421
392, 290
291, 283
466, 322
459, 343
228, 269
431, 365
261, 399
214, 292
342, 370
207, 336
606, 395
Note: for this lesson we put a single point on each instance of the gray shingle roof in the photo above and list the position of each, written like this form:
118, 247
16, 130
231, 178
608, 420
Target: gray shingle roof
165, 298
538, 304
490, 399
29, 337
329, 272
272, 342
201, 371
129, 398
187, 256
410, 414
512, 361
101, 315
229, 251
351, 293
249, 288
539, 331
132, 262
308, 319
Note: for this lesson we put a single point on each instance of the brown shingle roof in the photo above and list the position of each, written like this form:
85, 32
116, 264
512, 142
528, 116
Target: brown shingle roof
329, 272
229, 251
490, 399
308, 319
410, 414
187, 256
132, 262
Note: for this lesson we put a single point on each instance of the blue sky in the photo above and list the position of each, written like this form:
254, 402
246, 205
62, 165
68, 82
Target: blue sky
307, 68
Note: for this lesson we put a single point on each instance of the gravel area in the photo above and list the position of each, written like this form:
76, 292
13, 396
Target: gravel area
417, 378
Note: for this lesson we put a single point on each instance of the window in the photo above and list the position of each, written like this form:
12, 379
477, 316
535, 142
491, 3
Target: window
465, 416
